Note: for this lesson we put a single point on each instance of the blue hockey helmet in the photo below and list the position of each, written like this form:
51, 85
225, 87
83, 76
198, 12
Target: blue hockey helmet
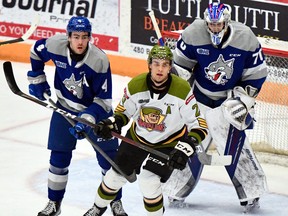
217, 13
79, 24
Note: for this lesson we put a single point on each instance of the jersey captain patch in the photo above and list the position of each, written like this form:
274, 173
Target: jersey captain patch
219, 71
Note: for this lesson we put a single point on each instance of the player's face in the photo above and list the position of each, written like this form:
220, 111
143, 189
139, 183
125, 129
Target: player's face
216, 27
79, 42
159, 70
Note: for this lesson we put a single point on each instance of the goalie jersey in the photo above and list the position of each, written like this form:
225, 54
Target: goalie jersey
239, 62
80, 85
160, 119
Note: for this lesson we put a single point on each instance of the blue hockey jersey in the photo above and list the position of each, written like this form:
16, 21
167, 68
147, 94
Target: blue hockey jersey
239, 62
80, 86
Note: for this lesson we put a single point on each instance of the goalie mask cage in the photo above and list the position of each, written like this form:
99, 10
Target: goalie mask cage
270, 132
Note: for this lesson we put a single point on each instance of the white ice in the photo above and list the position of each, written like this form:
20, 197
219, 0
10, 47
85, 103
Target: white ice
24, 161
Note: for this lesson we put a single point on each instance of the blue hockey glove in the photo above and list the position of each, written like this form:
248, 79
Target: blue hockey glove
79, 129
179, 155
105, 126
38, 84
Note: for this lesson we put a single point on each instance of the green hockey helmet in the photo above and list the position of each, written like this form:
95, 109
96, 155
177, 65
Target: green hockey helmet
160, 52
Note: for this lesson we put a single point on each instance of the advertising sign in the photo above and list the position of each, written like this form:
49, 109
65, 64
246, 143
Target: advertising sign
266, 19
103, 15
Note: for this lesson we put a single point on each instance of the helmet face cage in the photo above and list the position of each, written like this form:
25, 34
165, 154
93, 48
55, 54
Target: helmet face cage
79, 24
217, 13
160, 52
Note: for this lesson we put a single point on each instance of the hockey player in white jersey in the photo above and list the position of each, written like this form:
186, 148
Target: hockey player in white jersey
228, 69
163, 109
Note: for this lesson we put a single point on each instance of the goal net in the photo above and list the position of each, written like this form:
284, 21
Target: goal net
270, 133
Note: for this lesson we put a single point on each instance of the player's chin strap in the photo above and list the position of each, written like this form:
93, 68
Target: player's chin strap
238, 108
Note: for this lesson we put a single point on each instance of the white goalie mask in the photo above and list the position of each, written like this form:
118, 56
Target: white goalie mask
217, 13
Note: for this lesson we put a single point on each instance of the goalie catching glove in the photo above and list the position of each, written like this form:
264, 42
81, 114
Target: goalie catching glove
238, 108
105, 126
182, 151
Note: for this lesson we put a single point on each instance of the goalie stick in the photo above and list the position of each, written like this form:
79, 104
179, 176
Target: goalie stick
28, 33
204, 158
131, 178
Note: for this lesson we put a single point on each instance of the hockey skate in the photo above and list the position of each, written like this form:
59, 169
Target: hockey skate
95, 211
117, 208
176, 203
250, 205
52, 209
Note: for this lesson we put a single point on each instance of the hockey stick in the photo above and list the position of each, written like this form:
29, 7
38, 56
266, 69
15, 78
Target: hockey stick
131, 178
8, 70
156, 28
203, 157
28, 33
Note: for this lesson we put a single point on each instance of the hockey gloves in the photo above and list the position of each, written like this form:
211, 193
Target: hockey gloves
179, 155
38, 84
79, 129
105, 126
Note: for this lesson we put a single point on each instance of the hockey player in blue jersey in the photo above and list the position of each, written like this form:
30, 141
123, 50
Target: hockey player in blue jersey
83, 86
227, 69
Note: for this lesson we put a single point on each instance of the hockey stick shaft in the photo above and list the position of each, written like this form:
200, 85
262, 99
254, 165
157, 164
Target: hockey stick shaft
8, 70
24, 37
156, 28
131, 178
204, 158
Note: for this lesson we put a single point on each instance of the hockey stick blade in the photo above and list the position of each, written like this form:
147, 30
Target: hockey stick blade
28, 33
214, 160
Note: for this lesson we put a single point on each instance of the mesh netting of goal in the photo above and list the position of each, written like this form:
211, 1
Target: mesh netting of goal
270, 131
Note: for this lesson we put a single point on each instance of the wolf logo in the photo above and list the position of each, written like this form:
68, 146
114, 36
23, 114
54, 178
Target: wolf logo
75, 87
220, 71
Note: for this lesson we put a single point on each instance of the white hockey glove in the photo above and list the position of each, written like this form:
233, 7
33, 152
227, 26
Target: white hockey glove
238, 108
179, 156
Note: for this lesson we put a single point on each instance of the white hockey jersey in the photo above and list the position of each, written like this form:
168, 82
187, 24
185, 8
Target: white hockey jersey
160, 120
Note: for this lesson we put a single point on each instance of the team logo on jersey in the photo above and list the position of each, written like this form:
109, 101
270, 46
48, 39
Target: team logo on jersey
202, 51
61, 64
220, 71
75, 87
152, 118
